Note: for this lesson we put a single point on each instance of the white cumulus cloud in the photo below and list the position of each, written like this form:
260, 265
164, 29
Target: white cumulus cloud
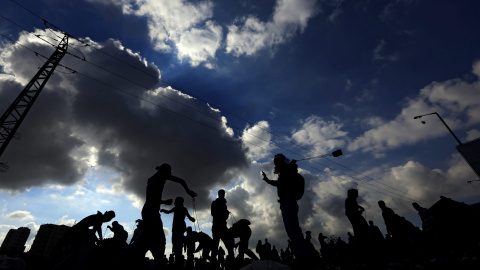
320, 135
20, 215
454, 100
249, 34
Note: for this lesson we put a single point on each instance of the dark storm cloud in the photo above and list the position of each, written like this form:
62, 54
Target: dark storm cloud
130, 135
41, 155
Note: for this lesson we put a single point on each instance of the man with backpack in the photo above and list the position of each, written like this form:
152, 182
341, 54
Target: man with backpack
290, 188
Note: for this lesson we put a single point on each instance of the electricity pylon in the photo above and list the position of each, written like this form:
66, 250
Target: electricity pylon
14, 115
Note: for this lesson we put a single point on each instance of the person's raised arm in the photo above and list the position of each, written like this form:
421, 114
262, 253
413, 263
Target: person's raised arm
271, 182
184, 185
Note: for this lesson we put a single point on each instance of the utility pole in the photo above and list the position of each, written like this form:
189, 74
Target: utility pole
14, 115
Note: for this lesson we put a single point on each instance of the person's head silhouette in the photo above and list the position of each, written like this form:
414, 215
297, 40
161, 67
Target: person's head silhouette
108, 215
416, 206
381, 204
178, 201
164, 169
280, 161
352, 193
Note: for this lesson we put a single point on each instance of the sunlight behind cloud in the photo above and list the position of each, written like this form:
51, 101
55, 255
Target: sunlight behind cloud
179, 23
200, 45
257, 140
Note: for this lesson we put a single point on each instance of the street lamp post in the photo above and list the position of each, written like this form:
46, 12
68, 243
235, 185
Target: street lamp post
441, 119
469, 150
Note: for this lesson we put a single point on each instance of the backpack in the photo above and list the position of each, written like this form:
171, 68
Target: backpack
299, 187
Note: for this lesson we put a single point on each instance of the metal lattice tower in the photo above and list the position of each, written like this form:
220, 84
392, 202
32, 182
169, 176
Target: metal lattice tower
14, 115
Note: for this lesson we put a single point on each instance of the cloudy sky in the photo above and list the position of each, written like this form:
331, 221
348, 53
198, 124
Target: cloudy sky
217, 88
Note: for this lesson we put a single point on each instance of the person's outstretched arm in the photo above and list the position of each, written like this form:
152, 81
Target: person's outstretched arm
184, 185
98, 229
237, 244
167, 211
188, 215
167, 202
135, 232
200, 247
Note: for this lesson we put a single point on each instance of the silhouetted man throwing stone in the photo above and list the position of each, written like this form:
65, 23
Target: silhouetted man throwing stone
290, 188
153, 235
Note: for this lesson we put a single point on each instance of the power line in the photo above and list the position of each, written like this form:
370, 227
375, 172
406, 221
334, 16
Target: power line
157, 77
123, 77
179, 114
366, 176
365, 183
142, 86
155, 104
46, 22
238, 129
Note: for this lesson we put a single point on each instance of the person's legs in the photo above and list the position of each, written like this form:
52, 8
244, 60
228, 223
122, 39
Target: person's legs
216, 233
177, 244
243, 249
229, 242
154, 232
206, 252
251, 254
289, 210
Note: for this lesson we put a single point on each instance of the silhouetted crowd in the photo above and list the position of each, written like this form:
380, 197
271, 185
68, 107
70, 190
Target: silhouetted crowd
449, 237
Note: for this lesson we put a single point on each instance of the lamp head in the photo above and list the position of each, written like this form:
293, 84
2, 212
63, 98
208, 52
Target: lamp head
417, 117
337, 153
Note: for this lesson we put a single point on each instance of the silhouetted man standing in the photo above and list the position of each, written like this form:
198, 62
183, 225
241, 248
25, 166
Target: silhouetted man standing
220, 214
290, 188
